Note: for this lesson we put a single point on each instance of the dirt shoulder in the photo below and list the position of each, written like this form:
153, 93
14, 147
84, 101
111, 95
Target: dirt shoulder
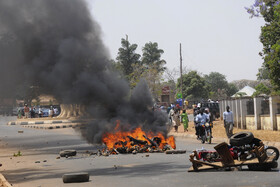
219, 132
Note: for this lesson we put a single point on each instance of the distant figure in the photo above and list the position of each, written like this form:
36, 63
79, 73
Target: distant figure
185, 120
40, 112
228, 122
51, 112
19, 113
32, 112
26, 111
171, 116
55, 111
176, 120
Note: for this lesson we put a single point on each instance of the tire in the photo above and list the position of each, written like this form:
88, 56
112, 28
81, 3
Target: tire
263, 166
208, 136
75, 177
203, 139
67, 153
241, 138
270, 151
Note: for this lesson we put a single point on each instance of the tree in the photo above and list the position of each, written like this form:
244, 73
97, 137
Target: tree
231, 89
127, 57
194, 86
270, 36
216, 81
261, 89
152, 56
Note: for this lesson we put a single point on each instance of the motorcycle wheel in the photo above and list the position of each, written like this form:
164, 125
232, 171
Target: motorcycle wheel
272, 151
208, 136
203, 138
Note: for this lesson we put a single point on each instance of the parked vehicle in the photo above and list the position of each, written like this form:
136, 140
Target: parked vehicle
214, 109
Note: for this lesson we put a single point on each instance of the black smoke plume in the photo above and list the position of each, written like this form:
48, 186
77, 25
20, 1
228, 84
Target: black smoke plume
56, 45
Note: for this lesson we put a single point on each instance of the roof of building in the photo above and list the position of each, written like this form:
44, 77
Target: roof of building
247, 91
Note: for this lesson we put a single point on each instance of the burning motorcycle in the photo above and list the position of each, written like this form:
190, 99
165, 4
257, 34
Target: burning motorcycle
241, 148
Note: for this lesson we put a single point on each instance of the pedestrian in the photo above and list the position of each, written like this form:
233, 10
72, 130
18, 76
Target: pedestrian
185, 120
171, 117
40, 112
19, 113
55, 111
51, 112
228, 121
176, 119
26, 111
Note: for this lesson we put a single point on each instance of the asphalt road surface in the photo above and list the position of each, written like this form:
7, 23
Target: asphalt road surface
157, 169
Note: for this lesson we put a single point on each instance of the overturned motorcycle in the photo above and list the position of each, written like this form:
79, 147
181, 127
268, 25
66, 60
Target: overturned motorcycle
244, 150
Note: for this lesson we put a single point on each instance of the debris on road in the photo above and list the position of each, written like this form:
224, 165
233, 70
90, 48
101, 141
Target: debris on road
75, 177
17, 154
244, 149
175, 152
20, 131
67, 153
37, 162
58, 157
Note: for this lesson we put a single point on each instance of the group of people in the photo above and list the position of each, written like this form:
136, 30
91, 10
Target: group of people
176, 116
31, 112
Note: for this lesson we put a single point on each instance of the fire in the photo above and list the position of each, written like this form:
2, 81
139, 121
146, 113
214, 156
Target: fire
136, 139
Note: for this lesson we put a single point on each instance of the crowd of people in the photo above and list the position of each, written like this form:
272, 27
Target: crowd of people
33, 112
176, 116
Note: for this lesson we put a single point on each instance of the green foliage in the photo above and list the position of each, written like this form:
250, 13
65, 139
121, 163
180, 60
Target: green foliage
152, 56
270, 38
127, 57
194, 86
231, 89
263, 73
261, 89
219, 87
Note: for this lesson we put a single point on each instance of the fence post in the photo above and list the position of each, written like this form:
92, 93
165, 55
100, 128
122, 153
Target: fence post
257, 112
237, 113
243, 112
273, 100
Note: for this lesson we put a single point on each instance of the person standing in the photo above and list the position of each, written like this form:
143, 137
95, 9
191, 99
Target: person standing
176, 119
228, 121
185, 120
26, 111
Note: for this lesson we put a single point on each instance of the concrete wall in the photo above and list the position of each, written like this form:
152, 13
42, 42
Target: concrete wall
257, 121
265, 122
250, 122
278, 121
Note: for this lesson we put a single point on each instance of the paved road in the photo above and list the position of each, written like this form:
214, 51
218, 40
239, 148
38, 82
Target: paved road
131, 170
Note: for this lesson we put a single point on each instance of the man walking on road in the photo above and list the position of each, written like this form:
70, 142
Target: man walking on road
228, 122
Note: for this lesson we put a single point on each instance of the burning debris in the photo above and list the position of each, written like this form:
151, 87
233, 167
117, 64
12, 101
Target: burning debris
136, 141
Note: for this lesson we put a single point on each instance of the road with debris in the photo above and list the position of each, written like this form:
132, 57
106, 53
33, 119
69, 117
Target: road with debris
36, 163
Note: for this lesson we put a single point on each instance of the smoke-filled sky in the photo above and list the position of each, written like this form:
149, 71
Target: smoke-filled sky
216, 35
56, 46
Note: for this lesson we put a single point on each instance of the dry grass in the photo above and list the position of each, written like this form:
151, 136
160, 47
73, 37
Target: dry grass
219, 132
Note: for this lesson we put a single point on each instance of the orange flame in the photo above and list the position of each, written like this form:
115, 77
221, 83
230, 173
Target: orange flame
118, 138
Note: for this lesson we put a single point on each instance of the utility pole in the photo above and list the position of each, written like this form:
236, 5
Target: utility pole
181, 69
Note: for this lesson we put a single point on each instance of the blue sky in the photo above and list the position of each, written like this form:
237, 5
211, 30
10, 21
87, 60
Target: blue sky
216, 35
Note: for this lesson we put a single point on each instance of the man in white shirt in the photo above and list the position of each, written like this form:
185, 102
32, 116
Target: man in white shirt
228, 122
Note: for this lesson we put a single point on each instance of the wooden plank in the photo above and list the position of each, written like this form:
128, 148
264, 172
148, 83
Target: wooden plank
191, 169
224, 153
213, 164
